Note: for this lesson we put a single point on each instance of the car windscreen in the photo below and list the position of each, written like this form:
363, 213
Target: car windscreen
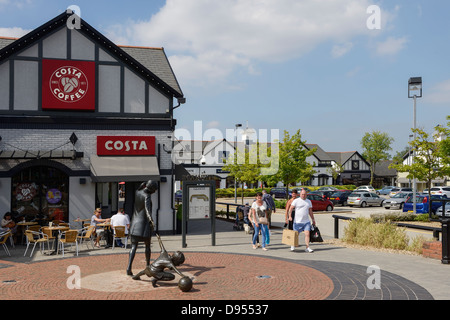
418, 199
400, 195
354, 195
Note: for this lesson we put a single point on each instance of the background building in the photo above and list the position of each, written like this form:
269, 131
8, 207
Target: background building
79, 115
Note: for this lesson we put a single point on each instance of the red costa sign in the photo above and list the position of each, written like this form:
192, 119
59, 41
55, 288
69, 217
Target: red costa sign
68, 85
128, 146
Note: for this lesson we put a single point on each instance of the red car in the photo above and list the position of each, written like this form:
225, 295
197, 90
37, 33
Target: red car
319, 203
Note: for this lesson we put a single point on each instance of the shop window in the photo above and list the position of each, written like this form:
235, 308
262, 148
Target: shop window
41, 194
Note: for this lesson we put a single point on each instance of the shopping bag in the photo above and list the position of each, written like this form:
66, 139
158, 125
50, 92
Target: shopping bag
290, 237
314, 235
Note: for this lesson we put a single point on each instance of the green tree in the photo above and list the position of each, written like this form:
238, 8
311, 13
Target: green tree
398, 157
375, 149
292, 167
444, 149
427, 162
244, 165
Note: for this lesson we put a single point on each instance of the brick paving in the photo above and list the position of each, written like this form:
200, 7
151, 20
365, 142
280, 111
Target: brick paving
217, 276
228, 271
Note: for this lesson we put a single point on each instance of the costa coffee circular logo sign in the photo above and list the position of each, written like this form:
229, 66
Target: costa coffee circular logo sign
68, 84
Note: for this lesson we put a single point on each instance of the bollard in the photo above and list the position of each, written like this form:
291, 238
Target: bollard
445, 241
336, 227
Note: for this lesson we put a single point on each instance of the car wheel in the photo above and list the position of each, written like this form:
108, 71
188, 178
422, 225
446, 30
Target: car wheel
329, 208
387, 208
363, 204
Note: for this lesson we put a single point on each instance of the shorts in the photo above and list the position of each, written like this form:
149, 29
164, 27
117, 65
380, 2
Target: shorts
305, 226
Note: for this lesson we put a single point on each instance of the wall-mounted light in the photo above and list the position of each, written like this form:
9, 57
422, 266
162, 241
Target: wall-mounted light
73, 138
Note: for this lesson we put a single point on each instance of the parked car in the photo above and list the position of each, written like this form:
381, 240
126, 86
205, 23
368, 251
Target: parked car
340, 197
319, 203
365, 188
327, 189
323, 194
397, 190
279, 192
397, 201
447, 210
422, 203
364, 199
299, 188
441, 191
385, 190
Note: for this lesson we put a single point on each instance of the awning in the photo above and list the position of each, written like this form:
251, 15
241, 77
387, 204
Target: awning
127, 169
41, 154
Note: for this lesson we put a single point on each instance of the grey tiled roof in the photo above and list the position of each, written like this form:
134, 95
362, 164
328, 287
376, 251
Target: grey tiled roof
6, 41
155, 60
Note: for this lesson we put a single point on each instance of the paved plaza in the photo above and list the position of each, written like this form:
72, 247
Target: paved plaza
229, 270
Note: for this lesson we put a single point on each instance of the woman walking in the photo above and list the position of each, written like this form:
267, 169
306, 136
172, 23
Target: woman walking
260, 221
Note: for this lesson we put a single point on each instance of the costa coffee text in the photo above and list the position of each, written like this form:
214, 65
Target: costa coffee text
128, 145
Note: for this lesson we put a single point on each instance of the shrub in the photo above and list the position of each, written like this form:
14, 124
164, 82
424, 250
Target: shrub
365, 231
416, 244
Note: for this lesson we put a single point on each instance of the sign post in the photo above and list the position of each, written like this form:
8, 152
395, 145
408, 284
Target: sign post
199, 203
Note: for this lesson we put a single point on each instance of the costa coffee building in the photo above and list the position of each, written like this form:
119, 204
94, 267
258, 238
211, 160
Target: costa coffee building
81, 117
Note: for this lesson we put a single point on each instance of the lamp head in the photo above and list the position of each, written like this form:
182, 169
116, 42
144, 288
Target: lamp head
415, 87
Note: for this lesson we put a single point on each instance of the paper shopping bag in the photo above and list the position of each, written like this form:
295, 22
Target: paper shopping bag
290, 237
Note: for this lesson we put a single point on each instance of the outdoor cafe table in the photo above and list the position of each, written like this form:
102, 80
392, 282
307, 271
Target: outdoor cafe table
82, 221
54, 230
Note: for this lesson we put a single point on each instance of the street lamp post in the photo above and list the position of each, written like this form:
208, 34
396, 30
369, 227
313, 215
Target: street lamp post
409, 155
414, 91
237, 125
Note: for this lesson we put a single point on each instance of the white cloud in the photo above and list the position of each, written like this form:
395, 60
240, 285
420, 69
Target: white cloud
213, 124
340, 50
209, 39
13, 32
391, 46
439, 93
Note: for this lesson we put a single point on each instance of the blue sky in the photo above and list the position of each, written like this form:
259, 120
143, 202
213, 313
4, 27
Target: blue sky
283, 64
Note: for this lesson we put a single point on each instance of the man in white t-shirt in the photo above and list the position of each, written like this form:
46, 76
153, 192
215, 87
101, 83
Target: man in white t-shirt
303, 210
120, 219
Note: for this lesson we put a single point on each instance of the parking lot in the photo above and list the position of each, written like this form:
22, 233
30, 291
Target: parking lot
326, 221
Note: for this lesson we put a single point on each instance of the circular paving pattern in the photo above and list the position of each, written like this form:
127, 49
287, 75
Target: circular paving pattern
216, 276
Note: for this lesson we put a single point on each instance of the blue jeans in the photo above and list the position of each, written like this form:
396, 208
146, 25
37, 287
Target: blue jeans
264, 233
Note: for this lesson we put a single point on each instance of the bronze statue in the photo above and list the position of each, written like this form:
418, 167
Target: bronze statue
165, 260
142, 224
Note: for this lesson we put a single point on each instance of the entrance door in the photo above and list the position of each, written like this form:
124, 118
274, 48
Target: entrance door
41, 194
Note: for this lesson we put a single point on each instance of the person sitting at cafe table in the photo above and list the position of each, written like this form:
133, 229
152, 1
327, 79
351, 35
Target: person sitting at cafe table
95, 220
9, 224
120, 219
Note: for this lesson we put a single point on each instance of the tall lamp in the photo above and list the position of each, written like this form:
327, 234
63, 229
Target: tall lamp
414, 91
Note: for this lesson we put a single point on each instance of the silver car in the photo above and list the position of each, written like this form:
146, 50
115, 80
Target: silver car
397, 201
364, 199
447, 210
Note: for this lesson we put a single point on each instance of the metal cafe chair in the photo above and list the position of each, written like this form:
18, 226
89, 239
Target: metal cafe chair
86, 234
66, 237
3, 237
35, 237
119, 233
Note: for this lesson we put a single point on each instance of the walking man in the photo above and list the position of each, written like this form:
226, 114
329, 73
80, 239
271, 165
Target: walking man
303, 211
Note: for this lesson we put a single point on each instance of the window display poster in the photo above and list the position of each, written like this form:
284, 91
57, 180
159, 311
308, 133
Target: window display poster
199, 203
